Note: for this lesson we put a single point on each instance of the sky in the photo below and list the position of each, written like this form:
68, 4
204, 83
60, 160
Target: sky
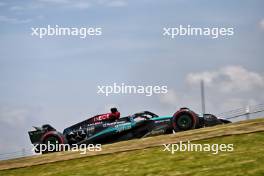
54, 79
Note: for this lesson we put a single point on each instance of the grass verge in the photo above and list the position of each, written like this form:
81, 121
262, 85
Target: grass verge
246, 159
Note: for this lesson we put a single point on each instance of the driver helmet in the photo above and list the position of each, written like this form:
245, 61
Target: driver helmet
113, 110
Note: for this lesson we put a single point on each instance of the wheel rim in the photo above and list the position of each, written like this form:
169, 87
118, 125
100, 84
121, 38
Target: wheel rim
184, 122
53, 140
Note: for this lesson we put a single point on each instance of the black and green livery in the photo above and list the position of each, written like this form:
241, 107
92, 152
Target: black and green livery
138, 125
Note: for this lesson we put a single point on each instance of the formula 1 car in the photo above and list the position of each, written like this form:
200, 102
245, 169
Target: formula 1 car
138, 125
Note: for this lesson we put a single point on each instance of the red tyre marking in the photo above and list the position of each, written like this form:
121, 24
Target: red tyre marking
184, 111
52, 133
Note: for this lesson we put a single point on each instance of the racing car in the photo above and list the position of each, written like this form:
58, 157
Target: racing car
138, 125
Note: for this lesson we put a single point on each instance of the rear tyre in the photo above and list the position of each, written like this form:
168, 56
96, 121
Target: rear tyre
52, 143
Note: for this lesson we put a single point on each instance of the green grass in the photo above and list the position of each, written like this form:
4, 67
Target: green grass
246, 159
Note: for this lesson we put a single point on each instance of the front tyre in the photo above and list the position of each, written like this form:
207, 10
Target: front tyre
184, 119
